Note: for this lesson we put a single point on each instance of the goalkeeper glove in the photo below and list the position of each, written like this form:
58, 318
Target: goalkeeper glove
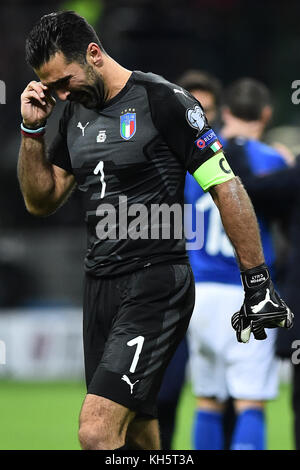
262, 307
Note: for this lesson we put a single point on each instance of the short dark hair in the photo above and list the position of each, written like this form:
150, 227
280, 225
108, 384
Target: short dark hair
63, 31
201, 80
246, 98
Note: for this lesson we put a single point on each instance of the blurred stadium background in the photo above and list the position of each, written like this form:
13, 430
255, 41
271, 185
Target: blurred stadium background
41, 384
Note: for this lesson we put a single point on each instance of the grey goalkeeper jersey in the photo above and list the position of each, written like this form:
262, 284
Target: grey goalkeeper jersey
129, 159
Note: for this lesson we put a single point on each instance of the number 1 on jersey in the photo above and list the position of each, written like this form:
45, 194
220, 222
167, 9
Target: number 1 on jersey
100, 168
139, 340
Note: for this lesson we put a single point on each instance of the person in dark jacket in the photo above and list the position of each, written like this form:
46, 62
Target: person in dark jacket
277, 195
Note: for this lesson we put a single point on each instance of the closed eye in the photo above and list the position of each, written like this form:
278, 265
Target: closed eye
61, 83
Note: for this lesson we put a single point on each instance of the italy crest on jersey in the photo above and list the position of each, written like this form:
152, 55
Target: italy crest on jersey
128, 123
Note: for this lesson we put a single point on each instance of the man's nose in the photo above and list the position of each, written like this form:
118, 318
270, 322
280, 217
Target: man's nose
62, 94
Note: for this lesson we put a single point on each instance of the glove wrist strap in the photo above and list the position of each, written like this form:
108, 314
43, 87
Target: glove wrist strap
255, 278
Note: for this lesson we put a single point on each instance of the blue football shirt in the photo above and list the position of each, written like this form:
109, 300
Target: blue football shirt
216, 261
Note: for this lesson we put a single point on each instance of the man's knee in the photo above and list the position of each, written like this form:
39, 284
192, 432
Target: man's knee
94, 436
103, 424
209, 404
243, 405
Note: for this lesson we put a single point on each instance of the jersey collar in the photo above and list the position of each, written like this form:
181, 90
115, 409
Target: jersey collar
121, 93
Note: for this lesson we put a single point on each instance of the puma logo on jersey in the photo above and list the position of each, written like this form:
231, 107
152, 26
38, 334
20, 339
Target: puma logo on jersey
131, 385
82, 128
257, 308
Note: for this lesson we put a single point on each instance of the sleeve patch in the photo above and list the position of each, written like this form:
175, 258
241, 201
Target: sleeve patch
206, 139
196, 118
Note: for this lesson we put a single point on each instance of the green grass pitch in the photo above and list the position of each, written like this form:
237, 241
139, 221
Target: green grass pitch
45, 416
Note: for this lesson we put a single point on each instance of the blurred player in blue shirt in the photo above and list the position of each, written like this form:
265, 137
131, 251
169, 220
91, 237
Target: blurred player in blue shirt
221, 367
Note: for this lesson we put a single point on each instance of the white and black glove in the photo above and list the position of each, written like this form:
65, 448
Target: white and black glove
262, 307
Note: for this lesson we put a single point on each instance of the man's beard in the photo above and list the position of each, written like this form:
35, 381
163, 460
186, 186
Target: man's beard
93, 95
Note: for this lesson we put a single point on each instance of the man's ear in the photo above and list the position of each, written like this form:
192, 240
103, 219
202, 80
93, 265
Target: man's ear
225, 113
266, 114
94, 55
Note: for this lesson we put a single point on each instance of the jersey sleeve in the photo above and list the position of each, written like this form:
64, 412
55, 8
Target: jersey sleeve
180, 119
58, 153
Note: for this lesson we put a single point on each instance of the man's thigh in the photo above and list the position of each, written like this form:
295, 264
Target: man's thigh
113, 423
103, 423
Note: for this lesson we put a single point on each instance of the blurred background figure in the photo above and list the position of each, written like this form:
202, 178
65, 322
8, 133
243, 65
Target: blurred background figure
208, 90
220, 366
278, 195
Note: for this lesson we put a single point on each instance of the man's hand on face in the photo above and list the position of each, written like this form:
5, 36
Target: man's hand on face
36, 104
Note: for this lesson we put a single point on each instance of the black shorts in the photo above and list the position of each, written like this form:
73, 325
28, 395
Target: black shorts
132, 325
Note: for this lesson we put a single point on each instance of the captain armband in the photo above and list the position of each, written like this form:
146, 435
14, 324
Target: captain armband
215, 170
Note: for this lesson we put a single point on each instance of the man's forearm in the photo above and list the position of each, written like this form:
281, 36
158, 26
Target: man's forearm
239, 221
35, 174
